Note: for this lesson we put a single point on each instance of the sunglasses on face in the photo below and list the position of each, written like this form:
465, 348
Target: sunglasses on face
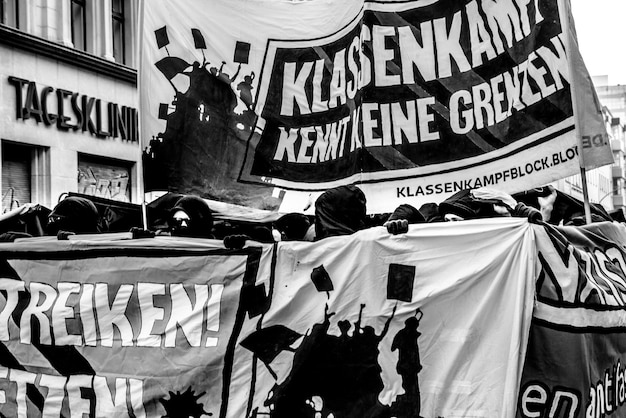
52, 219
180, 221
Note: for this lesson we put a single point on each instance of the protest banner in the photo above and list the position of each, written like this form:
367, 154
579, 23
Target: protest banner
431, 323
121, 329
575, 364
411, 100
398, 326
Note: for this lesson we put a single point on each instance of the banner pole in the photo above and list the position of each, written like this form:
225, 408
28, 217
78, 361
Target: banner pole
586, 204
140, 173
565, 11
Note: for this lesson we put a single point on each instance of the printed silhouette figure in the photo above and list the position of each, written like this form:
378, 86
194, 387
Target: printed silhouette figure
344, 327
245, 90
409, 365
334, 376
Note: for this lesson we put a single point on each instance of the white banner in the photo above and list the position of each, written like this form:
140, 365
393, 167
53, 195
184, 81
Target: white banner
412, 100
432, 323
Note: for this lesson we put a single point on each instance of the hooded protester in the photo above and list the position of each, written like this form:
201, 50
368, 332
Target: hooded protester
430, 212
340, 211
463, 205
292, 226
191, 217
485, 203
560, 208
73, 215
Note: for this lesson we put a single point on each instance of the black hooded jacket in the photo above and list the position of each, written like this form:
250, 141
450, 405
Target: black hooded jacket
74, 214
340, 211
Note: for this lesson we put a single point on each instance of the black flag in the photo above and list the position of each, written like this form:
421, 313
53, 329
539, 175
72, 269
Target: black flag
163, 110
255, 300
400, 282
242, 52
161, 37
269, 342
172, 66
321, 279
198, 39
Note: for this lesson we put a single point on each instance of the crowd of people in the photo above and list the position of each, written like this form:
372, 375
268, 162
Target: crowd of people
338, 211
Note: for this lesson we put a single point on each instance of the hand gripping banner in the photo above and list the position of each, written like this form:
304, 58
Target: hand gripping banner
412, 100
433, 323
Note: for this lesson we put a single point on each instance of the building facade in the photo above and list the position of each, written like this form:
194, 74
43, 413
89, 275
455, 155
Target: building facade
601, 182
617, 133
607, 185
68, 100
613, 98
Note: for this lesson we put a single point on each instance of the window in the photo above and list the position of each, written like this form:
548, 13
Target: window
103, 177
9, 13
119, 38
16, 175
79, 24
25, 175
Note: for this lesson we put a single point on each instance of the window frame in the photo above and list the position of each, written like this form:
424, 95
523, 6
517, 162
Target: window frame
14, 9
83, 6
118, 17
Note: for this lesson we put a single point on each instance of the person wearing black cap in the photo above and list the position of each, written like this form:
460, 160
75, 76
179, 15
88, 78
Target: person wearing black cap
73, 215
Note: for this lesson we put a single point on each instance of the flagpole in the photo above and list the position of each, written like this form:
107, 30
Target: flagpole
565, 25
140, 174
583, 176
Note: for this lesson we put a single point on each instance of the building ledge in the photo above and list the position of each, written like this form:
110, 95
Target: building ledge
29, 43
618, 201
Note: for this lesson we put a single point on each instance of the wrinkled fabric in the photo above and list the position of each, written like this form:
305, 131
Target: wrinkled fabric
74, 214
339, 211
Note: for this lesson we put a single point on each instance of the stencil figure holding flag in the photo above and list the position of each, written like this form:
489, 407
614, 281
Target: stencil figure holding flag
409, 365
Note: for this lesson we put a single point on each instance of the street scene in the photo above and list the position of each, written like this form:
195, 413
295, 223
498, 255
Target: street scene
312, 209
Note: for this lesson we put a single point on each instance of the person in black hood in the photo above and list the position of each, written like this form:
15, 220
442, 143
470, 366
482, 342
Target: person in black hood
292, 226
73, 215
340, 211
191, 217
485, 203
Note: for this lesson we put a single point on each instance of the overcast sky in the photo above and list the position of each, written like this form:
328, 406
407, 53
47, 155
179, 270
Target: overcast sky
601, 28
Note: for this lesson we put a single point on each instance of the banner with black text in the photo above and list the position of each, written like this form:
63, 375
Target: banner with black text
412, 100
367, 325
576, 360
